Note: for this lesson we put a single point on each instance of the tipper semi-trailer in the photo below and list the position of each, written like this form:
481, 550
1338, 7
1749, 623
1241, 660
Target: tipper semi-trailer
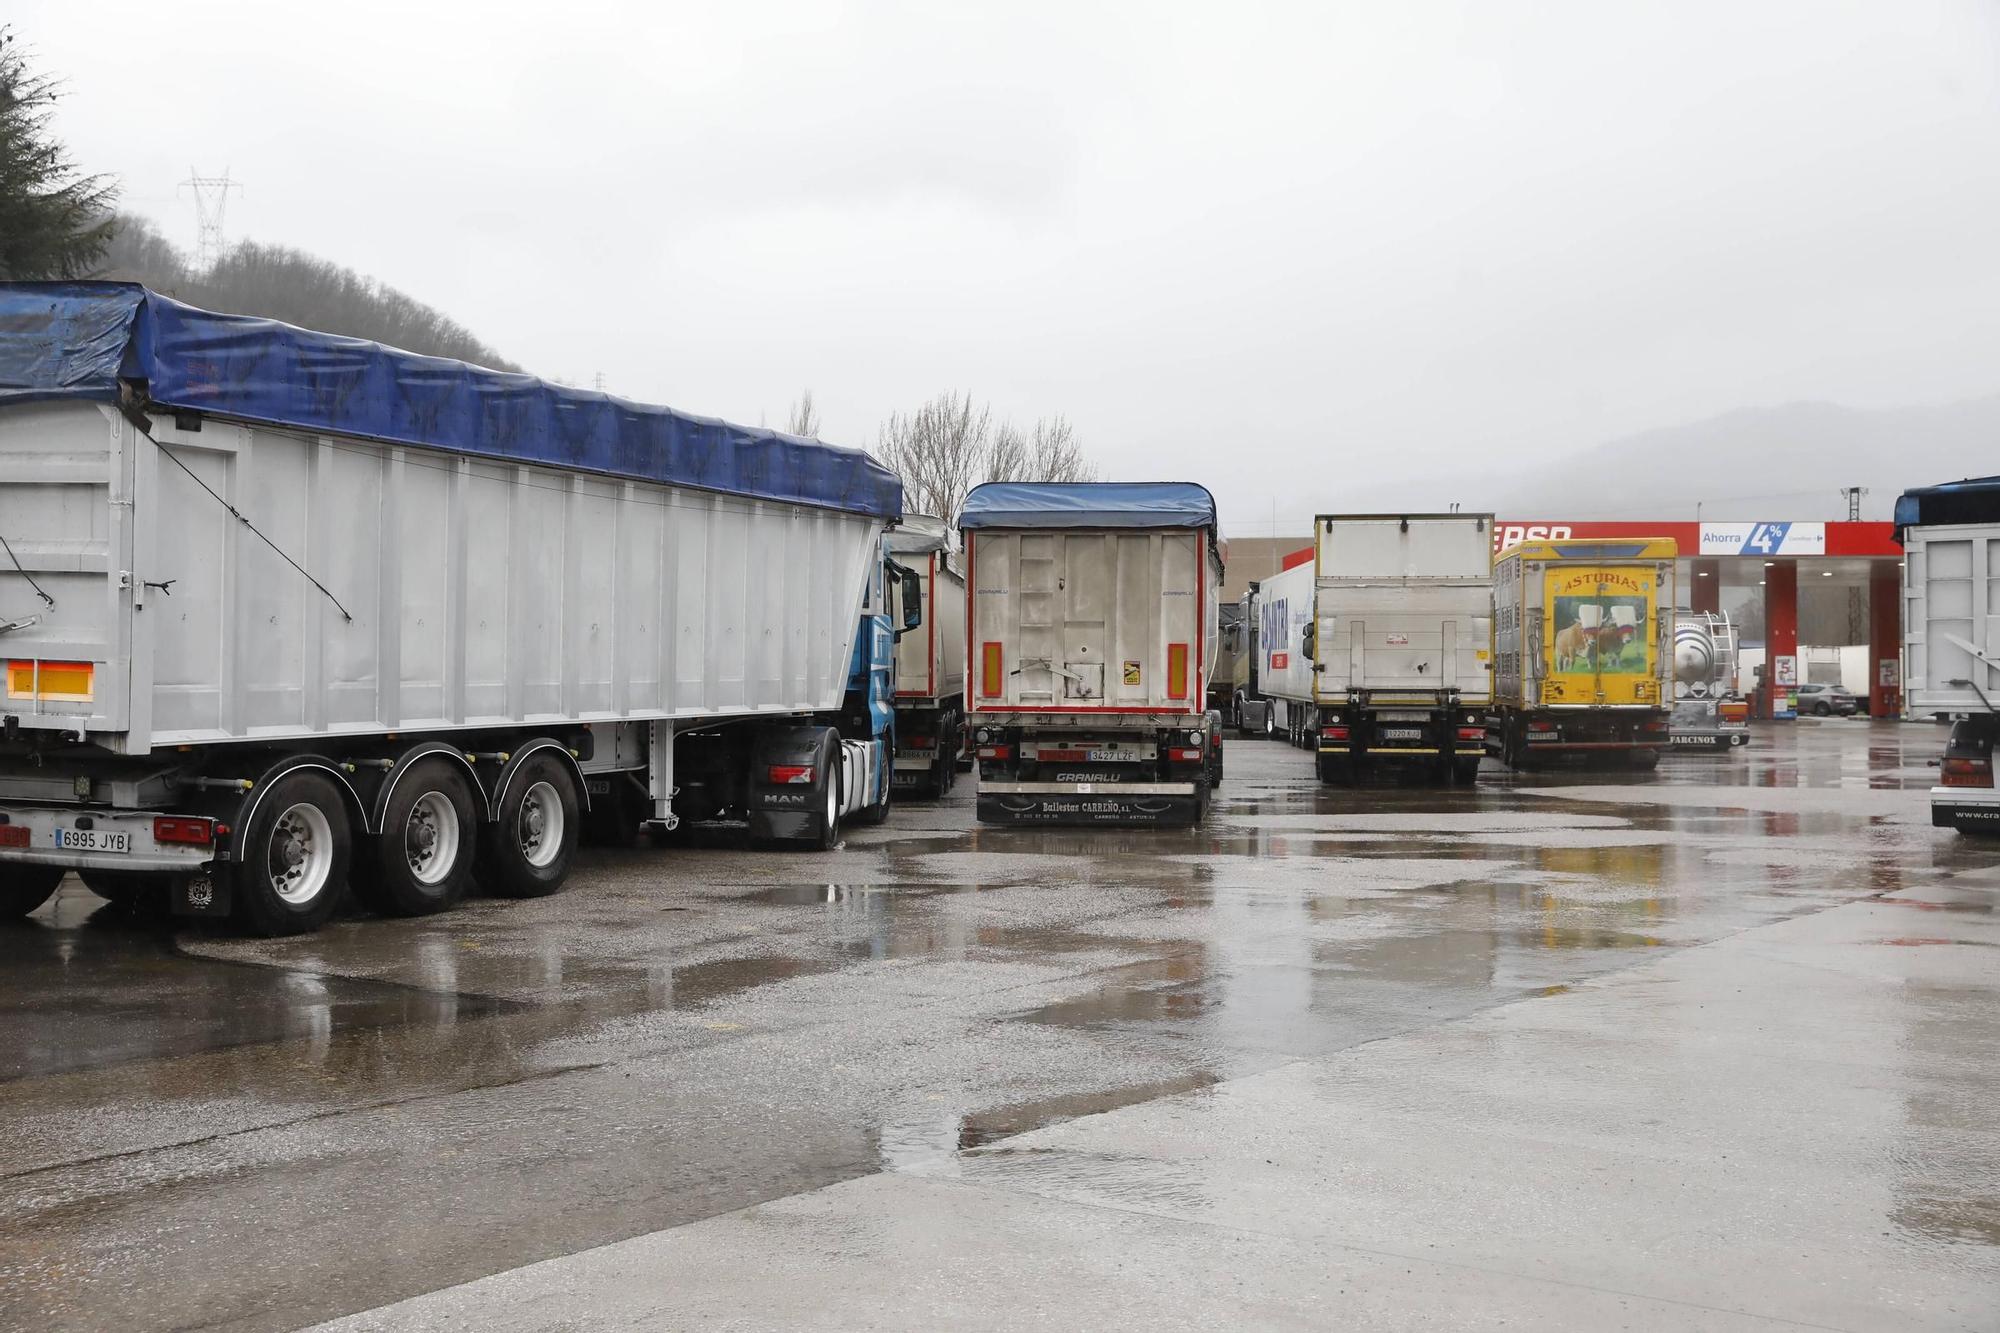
1090, 643
1378, 652
287, 613
1951, 639
930, 664
1583, 650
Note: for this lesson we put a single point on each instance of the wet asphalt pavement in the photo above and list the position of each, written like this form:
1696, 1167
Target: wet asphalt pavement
1711, 1048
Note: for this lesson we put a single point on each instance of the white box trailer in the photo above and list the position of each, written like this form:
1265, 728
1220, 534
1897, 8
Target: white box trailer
930, 664
1090, 645
1951, 639
281, 606
1379, 649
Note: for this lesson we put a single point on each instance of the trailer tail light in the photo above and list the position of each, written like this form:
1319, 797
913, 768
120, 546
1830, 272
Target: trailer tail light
1653, 724
1734, 710
1062, 756
56, 682
920, 742
183, 829
996, 752
14, 835
1177, 673
1969, 773
992, 674
1333, 733
790, 775
1183, 754
1472, 733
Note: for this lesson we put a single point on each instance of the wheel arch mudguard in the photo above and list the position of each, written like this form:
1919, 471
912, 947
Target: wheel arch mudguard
517, 758
284, 768
409, 759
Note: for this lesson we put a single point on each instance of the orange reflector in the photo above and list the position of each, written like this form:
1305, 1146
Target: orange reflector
992, 679
1177, 671
63, 682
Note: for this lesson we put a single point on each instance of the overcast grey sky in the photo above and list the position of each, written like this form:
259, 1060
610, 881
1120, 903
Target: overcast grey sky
1243, 244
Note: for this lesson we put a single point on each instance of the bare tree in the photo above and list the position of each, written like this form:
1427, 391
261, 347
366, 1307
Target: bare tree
804, 420
949, 445
940, 450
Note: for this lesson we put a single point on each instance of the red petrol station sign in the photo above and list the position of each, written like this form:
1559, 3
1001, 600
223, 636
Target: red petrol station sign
1764, 541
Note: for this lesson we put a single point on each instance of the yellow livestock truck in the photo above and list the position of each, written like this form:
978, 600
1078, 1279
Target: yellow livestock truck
1583, 656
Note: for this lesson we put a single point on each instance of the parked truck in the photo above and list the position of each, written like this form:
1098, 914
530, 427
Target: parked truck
930, 665
1091, 641
286, 613
1249, 711
1378, 651
1583, 655
1951, 639
1709, 713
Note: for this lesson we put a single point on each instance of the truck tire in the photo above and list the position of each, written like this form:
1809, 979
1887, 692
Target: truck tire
23, 888
422, 860
1645, 760
1465, 770
827, 797
525, 852
290, 875
1334, 770
130, 891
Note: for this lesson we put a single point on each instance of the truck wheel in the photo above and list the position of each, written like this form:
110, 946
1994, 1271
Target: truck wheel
24, 888
1645, 760
422, 861
825, 832
1333, 770
1465, 770
291, 871
525, 852
134, 892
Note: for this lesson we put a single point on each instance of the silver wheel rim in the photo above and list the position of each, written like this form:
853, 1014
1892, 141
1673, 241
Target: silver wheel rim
541, 825
430, 838
300, 857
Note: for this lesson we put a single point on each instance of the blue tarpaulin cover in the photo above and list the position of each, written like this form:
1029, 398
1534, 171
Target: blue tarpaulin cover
1974, 500
1088, 504
80, 339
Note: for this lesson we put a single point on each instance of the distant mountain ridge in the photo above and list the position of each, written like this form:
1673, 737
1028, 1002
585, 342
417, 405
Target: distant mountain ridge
1789, 462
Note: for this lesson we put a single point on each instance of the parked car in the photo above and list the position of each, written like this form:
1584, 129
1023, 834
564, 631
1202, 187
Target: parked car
1827, 700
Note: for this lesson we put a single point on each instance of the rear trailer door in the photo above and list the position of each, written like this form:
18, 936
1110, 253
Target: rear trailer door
1951, 623
1599, 640
67, 575
1087, 621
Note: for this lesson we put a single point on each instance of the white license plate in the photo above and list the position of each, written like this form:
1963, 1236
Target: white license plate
1402, 733
1113, 756
92, 840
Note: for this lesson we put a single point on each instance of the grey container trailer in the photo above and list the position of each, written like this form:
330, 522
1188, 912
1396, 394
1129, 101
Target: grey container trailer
286, 609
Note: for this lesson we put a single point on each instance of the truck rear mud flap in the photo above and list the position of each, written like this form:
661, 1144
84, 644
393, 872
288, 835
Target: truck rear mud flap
1140, 804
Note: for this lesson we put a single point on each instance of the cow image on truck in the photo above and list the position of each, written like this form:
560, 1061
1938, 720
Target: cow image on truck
1091, 638
930, 664
297, 614
1583, 651
1378, 650
1951, 639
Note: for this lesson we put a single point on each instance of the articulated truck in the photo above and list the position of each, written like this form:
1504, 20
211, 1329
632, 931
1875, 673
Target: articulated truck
1090, 643
1378, 652
930, 665
1951, 639
1583, 651
286, 614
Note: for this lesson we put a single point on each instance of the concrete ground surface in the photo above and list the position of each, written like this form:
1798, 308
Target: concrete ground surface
1714, 1048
